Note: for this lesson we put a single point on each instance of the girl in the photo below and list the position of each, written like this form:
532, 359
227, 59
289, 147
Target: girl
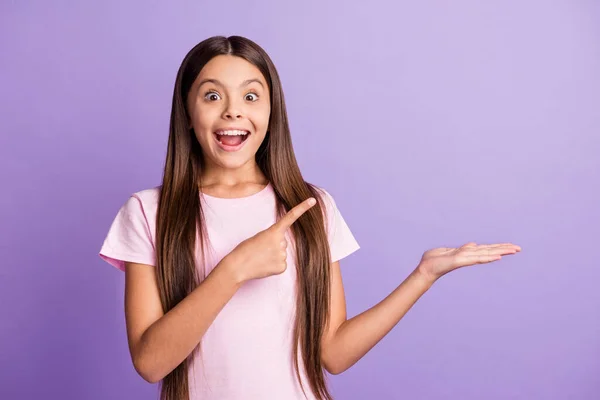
232, 278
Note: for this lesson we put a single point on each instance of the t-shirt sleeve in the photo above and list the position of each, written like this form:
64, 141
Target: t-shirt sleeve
341, 240
129, 237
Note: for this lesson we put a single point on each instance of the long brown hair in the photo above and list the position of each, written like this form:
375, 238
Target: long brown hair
180, 220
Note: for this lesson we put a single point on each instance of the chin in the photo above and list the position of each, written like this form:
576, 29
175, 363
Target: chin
231, 160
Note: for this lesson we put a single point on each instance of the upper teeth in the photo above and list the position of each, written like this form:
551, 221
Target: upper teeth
232, 133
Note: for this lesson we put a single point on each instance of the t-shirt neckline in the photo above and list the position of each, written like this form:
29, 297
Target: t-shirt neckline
253, 196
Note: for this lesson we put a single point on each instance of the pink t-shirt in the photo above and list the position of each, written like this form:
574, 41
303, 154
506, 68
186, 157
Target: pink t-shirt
247, 351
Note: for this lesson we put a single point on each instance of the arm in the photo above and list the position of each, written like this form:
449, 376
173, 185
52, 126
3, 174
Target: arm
347, 341
159, 342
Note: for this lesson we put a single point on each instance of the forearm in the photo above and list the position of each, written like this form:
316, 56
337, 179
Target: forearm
166, 343
356, 336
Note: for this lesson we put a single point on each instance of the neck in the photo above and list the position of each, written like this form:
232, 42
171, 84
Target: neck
215, 175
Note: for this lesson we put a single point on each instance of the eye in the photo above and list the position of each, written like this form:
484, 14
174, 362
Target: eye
252, 97
212, 96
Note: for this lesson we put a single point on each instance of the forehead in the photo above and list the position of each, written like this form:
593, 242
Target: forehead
230, 70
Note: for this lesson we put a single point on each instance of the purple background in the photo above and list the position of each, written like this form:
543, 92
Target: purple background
432, 123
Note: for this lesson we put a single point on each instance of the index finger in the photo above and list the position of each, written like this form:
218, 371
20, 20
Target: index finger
292, 216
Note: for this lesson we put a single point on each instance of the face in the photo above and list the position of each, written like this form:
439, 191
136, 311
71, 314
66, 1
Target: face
229, 109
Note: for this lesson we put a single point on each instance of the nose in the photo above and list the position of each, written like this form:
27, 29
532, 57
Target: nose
232, 111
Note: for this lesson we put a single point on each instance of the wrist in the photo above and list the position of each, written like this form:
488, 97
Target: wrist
422, 274
230, 269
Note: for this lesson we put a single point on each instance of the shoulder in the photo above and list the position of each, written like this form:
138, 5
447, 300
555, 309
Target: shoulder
148, 196
141, 205
327, 203
341, 240
131, 234
325, 196
145, 199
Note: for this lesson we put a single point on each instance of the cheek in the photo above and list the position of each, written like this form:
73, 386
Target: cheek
204, 116
202, 123
262, 118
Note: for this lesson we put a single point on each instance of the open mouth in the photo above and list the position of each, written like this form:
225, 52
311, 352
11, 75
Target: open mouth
231, 140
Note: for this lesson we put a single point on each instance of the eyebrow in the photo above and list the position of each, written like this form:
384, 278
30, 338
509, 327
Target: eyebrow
216, 82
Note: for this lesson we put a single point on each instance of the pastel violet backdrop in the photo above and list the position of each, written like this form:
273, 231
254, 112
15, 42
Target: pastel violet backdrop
432, 123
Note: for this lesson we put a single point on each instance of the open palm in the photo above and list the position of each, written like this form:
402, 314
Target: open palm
439, 261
